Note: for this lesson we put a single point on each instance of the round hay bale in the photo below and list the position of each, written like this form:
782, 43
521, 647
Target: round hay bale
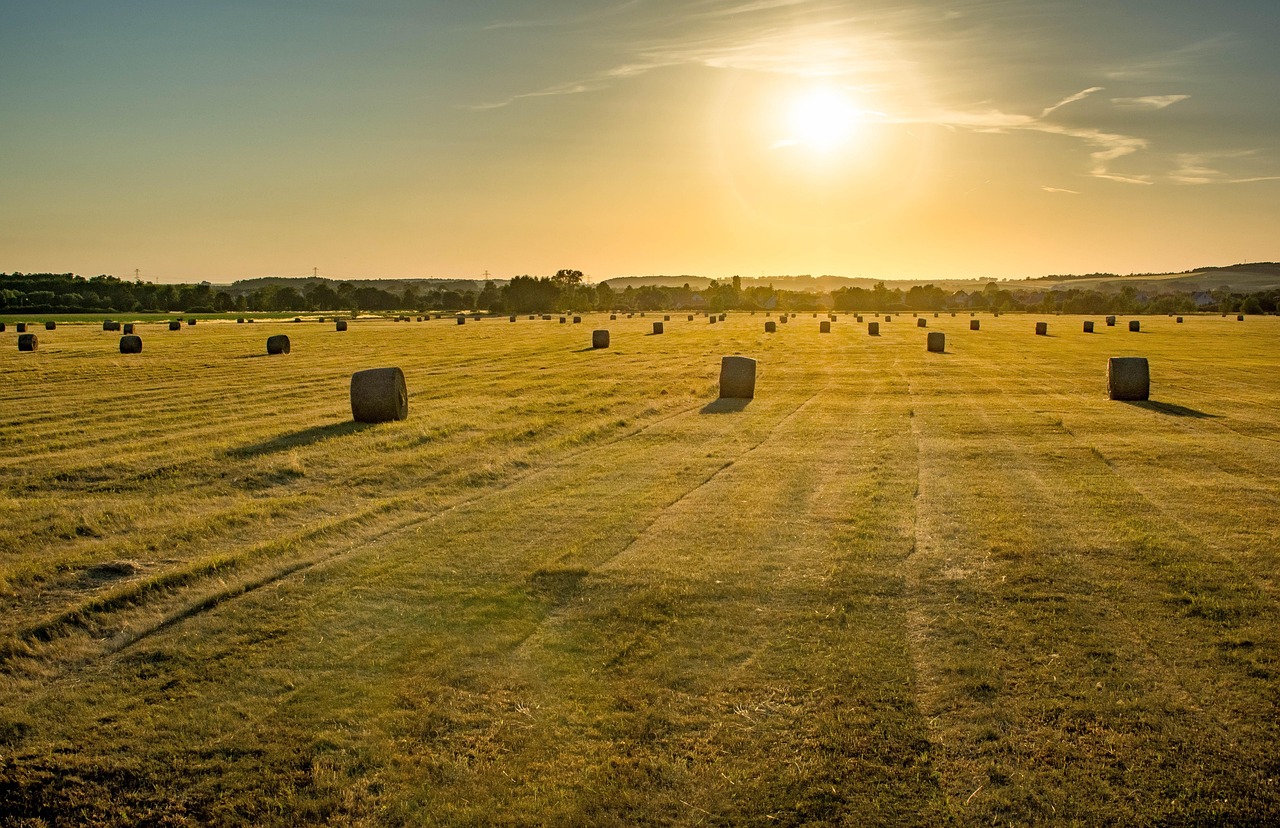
546, 317
858, 319
108, 325
577, 320
191, 321
666, 317
657, 327
613, 316
1111, 321
462, 320
642, 314
914, 315
278, 344
690, 317
1, 327
722, 317
922, 323
888, 318
51, 325
824, 326
937, 342
340, 325
770, 327
1128, 378
784, 319
512, 318
379, 395
935, 316
1179, 320
737, 377
1134, 326
711, 320
600, 339
1088, 327
873, 328
563, 320
28, 342
974, 324
1239, 318
130, 344
175, 325
249, 320
128, 327
320, 319
1042, 329
239, 320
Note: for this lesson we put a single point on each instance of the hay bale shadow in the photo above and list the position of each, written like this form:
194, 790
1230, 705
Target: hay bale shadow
1171, 409
725, 405
298, 439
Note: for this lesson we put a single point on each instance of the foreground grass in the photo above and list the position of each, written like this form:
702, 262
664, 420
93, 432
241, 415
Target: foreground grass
897, 587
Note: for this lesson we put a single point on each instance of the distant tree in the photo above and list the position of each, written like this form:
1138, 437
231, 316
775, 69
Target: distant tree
566, 278
1251, 304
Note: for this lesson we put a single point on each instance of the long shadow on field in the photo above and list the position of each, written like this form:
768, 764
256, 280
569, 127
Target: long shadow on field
725, 405
1172, 409
297, 439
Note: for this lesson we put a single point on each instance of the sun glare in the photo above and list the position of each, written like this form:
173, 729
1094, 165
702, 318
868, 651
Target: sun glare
822, 119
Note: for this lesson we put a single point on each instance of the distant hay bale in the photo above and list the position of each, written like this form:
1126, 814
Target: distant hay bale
824, 326
1, 327
379, 395
858, 319
239, 320
613, 316
175, 325
340, 325
1240, 318
935, 316
577, 320
711, 320
191, 321
249, 320
722, 317
642, 314
28, 342
690, 317
937, 342
974, 324
320, 319
914, 315
888, 318
737, 377
130, 344
922, 323
108, 325
1088, 327
462, 320
600, 339
630, 315
657, 327
873, 328
666, 317
770, 327
51, 325
278, 344
546, 317
1128, 378
1179, 320
563, 320
512, 318
1042, 329
1134, 326
1111, 321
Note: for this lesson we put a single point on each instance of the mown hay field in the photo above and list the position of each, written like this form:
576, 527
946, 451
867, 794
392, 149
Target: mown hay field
572, 588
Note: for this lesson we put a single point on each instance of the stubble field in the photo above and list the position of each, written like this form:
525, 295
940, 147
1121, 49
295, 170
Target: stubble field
895, 588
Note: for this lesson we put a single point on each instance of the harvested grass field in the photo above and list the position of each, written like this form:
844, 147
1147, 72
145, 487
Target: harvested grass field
572, 588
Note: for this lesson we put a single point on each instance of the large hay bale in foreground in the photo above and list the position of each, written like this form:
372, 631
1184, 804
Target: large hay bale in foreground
130, 344
824, 326
379, 395
175, 325
1134, 326
873, 328
770, 327
922, 323
737, 377
1088, 327
28, 342
600, 339
1042, 329
1128, 378
51, 325
278, 344
340, 325
937, 342
974, 324
657, 327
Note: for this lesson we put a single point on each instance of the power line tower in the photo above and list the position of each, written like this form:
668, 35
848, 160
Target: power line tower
315, 272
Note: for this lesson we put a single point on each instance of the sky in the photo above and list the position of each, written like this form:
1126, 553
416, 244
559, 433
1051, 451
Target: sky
217, 141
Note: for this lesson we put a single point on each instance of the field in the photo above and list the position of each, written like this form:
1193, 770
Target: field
896, 588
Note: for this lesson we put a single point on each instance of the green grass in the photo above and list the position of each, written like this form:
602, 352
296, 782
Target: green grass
895, 588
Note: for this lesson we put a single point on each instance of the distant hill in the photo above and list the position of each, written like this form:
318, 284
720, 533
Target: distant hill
1241, 278
389, 285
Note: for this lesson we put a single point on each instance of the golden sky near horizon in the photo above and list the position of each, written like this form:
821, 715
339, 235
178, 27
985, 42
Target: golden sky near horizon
757, 137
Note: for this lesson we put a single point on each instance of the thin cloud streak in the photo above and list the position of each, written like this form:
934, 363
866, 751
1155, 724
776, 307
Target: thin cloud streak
1150, 101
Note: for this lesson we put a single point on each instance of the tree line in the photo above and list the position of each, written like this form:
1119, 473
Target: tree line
567, 291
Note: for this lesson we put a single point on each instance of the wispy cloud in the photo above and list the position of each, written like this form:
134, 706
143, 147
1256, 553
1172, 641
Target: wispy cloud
1079, 96
1149, 101
1202, 168
1060, 190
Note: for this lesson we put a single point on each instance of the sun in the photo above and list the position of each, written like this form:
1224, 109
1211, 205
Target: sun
822, 119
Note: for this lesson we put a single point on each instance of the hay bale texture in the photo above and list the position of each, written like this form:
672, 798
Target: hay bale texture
1128, 378
737, 377
28, 342
379, 395
937, 342
130, 344
278, 344
600, 339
